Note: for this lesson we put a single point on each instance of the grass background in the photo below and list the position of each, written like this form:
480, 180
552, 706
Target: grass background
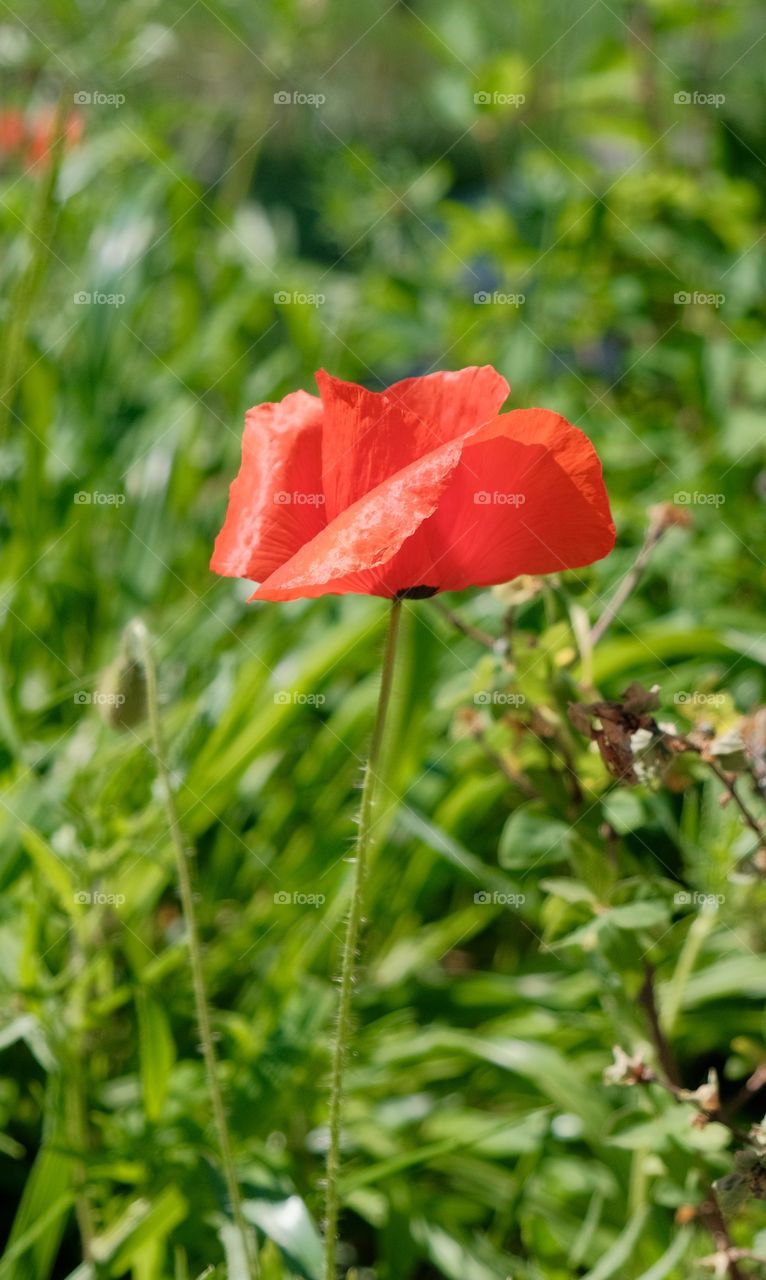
481, 1142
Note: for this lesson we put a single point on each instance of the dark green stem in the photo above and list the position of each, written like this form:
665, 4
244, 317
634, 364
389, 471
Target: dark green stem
361, 855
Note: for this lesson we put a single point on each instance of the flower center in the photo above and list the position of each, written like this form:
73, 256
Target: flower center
416, 593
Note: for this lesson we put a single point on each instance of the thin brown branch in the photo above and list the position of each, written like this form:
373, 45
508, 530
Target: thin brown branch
728, 781
508, 771
465, 628
731, 787
716, 1224
662, 518
662, 1046
750, 1088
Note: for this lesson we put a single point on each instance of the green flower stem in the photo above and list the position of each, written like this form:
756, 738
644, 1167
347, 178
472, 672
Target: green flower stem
75, 1095
343, 1028
140, 636
29, 282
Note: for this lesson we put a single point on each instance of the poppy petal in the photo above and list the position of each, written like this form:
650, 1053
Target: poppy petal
371, 435
276, 503
367, 534
522, 494
528, 497
452, 402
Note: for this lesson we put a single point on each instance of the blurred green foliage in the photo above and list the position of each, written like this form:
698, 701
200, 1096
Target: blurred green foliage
458, 150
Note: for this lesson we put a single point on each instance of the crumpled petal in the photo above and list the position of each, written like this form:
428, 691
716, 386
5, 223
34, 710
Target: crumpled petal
371, 435
368, 533
276, 503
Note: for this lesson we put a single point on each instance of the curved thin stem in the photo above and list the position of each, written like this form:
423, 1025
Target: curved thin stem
140, 635
658, 525
343, 1028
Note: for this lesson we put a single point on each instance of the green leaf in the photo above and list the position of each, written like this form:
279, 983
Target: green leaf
617, 1257
156, 1050
52, 868
531, 837
572, 891
623, 810
142, 1222
41, 1215
671, 1257
289, 1224
454, 1259
49, 1220
637, 915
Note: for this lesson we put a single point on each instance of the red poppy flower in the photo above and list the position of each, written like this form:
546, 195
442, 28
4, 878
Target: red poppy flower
31, 137
409, 491
12, 131
42, 132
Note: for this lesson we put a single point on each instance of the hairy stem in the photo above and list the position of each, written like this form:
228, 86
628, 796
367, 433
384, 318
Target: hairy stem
140, 636
343, 1028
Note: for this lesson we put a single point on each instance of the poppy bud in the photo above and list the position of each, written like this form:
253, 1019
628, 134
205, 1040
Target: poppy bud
122, 688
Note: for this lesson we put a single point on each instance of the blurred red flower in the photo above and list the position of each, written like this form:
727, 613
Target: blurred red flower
41, 133
409, 491
30, 137
12, 131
